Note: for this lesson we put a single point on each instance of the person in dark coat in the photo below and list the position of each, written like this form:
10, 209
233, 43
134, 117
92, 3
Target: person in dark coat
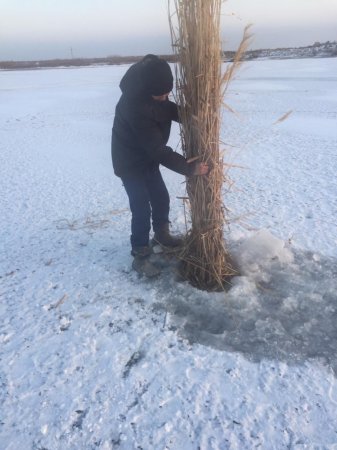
140, 133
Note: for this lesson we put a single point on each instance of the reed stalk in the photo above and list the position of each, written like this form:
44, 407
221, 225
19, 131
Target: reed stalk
200, 89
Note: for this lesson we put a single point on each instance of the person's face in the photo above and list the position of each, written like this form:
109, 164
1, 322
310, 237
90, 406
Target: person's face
161, 98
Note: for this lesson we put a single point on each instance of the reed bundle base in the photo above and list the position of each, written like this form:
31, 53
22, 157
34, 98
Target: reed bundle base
204, 264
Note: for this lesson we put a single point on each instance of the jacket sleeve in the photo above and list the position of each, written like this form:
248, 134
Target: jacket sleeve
178, 164
151, 141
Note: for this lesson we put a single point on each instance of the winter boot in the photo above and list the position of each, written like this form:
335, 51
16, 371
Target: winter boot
142, 264
142, 252
164, 238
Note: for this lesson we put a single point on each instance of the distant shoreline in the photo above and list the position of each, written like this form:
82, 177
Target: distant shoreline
75, 62
317, 50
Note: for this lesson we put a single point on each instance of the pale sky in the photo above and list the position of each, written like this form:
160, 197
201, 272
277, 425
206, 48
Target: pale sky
47, 29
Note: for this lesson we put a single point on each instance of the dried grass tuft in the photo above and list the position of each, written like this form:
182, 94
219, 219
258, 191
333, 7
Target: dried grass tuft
200, 89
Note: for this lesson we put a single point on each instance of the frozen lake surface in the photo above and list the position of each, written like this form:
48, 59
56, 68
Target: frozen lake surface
93, 357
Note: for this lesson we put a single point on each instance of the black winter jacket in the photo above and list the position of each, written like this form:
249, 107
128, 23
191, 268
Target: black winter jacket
141, 130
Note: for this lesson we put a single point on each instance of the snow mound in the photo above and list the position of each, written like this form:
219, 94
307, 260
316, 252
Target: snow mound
259, 251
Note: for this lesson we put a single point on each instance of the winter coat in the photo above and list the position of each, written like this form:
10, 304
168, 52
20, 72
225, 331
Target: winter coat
141, 130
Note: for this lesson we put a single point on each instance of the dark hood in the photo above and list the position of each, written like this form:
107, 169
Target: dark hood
132, 84
150, 76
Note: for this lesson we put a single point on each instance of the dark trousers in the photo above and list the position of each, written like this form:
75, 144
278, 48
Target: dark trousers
147, 196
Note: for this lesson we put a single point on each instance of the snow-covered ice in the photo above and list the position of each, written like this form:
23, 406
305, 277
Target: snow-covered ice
93, 357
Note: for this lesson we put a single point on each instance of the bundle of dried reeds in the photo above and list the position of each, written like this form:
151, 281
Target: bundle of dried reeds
200, 89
